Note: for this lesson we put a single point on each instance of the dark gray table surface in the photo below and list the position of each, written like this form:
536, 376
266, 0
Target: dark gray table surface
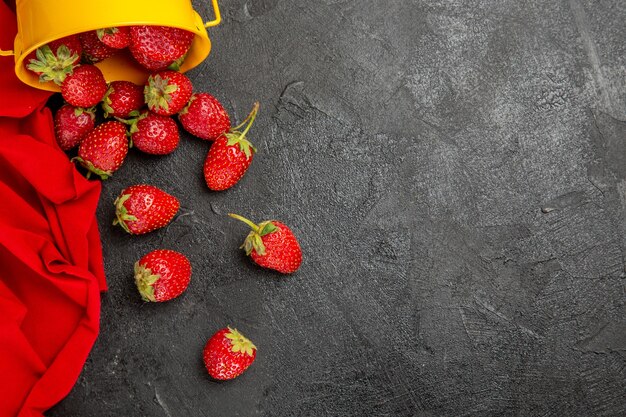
456, 174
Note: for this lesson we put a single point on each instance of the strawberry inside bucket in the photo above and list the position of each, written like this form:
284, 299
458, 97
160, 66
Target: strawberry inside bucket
106, 33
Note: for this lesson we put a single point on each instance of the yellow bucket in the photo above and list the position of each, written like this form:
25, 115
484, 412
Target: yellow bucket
42, 21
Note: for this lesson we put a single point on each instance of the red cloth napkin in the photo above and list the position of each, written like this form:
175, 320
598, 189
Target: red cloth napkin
51, 270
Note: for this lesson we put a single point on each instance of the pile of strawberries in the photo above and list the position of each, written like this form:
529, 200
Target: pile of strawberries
142, 116
154, 47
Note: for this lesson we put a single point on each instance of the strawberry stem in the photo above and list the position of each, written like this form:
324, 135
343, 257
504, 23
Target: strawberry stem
246, 221
249, 120
254, 240
235, 137
240, 125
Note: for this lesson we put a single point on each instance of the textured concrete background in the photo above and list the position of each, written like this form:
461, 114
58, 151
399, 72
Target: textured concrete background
456, 174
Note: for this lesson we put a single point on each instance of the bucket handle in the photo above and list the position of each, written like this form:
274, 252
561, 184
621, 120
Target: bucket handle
218, 16
6, 53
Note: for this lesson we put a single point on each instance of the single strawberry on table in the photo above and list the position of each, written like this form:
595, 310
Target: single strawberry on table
94, 50
228, 354
154, 134
142, 208
271, 244
55, 60
71, 124
122, 98
103, 150
167, 92
230, 156
115, 37
157, 47
162, 275
84, 87
204, 117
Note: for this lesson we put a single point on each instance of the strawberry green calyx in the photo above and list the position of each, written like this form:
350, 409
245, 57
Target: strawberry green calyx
133, 117
145, 282
158, 93
244, 145
91, 111
239, 342
185, 109
51, 66
175, 66
92, 169
106, 31
235, 137
122, 213
106, 102
253, 240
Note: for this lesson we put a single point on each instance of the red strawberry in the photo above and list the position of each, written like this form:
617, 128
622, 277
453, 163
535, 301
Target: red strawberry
52, 62
228, 354
158, 44
167, 92
85, 87
115, 37
151, 64
122, 98
204, 117
103, 150
72, 42
229, 157
143, 208
71, 124
154, 134
271, 244
162, 274
94, 50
